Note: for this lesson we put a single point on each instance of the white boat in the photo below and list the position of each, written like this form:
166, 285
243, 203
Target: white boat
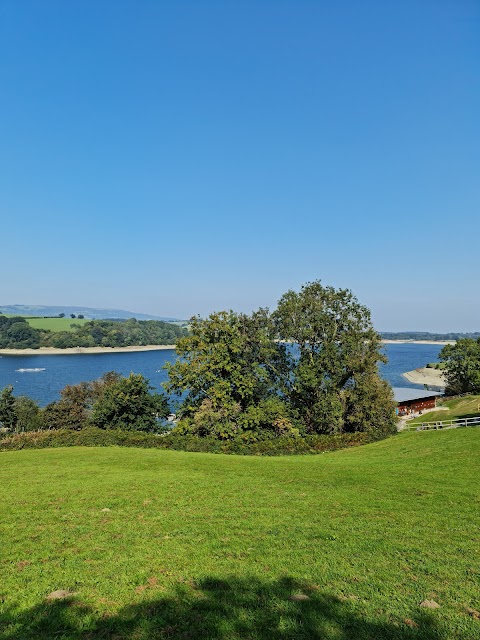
34, 369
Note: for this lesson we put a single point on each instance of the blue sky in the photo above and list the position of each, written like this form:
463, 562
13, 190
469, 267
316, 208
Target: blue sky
176, 157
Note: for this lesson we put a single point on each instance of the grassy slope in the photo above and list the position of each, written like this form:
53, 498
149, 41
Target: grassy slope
55, 324
466, 407
206, 546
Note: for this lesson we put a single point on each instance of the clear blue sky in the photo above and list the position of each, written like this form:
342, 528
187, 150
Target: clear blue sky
179, 157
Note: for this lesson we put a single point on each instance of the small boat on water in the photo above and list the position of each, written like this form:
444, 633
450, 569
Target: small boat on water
34, 370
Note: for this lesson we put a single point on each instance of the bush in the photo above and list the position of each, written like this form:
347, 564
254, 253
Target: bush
94, 437
29, 415
128, 404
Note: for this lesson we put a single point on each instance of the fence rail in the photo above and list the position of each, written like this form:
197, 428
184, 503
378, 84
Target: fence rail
444, 424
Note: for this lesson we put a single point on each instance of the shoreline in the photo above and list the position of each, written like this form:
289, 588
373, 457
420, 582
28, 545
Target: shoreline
442, 342
53, 351
429, 377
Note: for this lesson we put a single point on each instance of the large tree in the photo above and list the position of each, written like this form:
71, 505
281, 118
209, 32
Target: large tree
462, 366
334, 384
228, 372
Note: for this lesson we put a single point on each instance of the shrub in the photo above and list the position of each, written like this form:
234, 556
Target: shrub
29, 415
94, 437
128, 404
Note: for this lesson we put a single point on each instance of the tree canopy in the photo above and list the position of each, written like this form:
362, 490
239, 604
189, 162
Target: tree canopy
310, 367
335, 370
127, 403
16, 333
112, 402
462, 366
229, 367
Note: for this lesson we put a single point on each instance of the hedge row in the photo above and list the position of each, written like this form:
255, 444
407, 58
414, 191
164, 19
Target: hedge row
94, 437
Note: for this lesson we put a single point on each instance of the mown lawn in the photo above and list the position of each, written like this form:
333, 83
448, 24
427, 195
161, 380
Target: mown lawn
465, 407
165, 544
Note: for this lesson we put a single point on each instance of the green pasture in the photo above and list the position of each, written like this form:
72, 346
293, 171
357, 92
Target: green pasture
164, 544
466, 407
55, 324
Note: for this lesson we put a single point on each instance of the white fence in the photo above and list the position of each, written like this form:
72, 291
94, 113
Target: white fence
444, 424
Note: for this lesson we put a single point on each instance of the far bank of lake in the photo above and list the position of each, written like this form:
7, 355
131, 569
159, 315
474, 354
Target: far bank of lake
53, 351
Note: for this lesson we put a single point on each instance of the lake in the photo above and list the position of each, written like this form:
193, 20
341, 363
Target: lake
60, 370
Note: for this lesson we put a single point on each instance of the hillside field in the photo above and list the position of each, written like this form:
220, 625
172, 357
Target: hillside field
466, 407
164, 544
53, 324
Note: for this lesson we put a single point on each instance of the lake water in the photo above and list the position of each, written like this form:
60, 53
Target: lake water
44, 386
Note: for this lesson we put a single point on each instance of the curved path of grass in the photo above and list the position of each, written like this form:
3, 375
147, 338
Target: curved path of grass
164, 544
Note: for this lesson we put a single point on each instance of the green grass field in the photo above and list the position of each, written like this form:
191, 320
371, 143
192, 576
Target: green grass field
466, 407
164, 544
55, 324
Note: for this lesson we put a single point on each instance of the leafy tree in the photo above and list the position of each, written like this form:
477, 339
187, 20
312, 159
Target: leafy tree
111, 333
72, 315
8, 416
17, 333
80, 316
61, 315
74, 408
227, 364
65, 414
462, 366
334, 375
128, 404
29, 415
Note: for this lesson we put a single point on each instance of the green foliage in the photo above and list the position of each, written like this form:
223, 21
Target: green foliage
111, 333
65, 414
370, 407
425, 335
8, 416
73, 409
462, 366
29, 415
16, 333
334, 385
60, 332
128, 404
243, 444
110, 402
237, 378
19, 414
228, 365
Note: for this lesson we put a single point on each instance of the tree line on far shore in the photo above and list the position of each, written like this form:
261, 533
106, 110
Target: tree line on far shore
16, 333
425, 335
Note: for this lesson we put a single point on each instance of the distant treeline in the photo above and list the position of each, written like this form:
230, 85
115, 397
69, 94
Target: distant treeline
16, 333
424, 335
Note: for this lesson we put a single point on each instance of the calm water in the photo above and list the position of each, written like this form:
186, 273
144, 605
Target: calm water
44, 386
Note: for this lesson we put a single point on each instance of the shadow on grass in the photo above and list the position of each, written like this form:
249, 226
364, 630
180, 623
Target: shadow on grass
233, 608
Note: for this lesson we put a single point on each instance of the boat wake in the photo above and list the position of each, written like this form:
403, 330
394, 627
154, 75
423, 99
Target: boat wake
34, 370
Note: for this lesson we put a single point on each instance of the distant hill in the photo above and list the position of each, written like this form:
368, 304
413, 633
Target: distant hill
88, 312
